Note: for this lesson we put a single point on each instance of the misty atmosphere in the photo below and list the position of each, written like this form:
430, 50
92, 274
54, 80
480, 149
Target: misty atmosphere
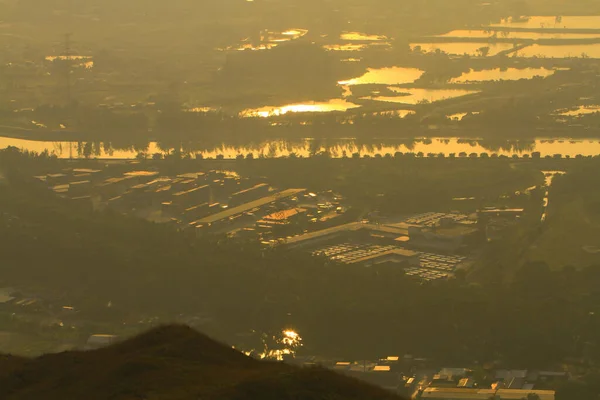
300, 199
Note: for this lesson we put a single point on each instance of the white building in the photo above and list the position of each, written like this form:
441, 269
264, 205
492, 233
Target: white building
98, 341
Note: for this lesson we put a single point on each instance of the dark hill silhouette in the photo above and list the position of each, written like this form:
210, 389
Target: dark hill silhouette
174, 363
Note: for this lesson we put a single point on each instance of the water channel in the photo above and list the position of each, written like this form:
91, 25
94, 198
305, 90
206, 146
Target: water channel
310, 147
549, 177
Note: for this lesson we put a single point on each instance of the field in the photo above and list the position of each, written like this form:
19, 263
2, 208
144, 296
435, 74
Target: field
571, 235
141, 64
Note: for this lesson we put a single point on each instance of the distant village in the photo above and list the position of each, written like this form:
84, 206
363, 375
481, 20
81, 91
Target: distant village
415, 378
454, 383
429, 246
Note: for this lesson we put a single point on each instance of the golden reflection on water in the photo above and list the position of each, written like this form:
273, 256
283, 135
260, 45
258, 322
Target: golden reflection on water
457, 116
72, 58
358, 36
561, 51
307, 147
357, 46
287, 344
395, 113
459, 49
291, 338
327, 106
418, 96
549, 177
346, 91
295, 32
201, 109
83, 61
269, 40
552, 22
286, 36
492, 49
386, 76
581, 110
497, 74
428, 146
249, 46
345, 47
491, 34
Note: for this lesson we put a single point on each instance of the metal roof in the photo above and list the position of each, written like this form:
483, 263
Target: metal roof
248, 206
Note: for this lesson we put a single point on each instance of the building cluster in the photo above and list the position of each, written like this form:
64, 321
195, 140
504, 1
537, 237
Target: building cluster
213, 202
12, 300
415, 378
429, 246
500, 384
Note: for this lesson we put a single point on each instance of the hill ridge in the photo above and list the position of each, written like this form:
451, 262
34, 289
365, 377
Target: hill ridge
172, 362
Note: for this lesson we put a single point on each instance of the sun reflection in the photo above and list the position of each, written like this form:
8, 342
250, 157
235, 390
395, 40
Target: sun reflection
295, 32
359, 36
284, 344
291, 338
328, 106
386, 76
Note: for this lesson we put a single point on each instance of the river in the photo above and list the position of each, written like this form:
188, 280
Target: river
309, 147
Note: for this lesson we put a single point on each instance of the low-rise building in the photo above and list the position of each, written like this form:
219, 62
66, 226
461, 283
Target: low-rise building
80, 188
232, 212
386, 232
196, 212
396, 255
513, 394
439, 393
188, 198
436, 393
283, 217
445, 239
141, 176
57, 179
6, 295
250, 194
113, 187
500, 212
101, 340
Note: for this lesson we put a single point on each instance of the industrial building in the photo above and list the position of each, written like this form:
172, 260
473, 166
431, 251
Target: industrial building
80, 188
369, 255
435, 393
113, 187
195, 196
501, 212
449, 239
439, 232
98, 341
224, 216
198, 211
248, 195
283, 217
342, 231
